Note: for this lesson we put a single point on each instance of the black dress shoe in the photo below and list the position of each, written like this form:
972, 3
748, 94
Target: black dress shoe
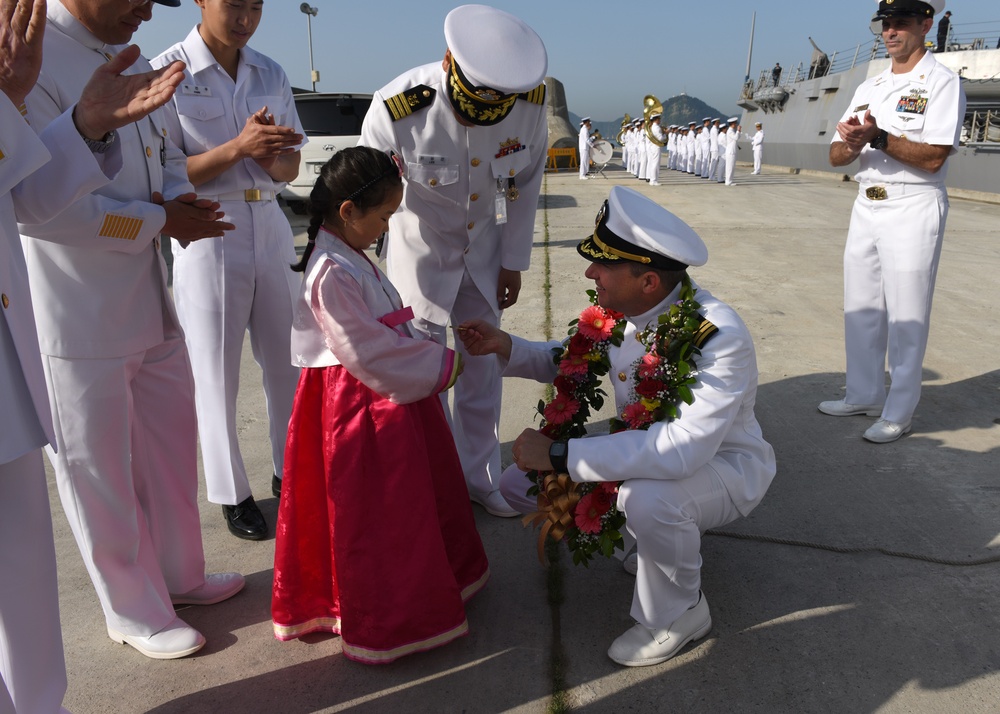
245, 520
276, 487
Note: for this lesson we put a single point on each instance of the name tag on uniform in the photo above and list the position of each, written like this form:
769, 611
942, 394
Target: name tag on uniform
195, 90
860, 107
425, 160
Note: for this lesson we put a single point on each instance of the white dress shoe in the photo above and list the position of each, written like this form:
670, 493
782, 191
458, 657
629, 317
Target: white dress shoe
631, 563
495, 504
178, 639
217, 587
882, 431
839, 407
641, 646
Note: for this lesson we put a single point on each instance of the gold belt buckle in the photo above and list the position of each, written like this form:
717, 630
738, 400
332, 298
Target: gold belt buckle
253, 194
876, 193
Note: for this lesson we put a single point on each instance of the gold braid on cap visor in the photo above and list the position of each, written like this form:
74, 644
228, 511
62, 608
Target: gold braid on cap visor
480, 105
615, 253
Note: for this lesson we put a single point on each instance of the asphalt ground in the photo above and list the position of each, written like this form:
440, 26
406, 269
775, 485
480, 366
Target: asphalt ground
797, 628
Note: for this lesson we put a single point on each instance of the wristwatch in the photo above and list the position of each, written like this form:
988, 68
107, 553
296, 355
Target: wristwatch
99, 146
880, 141
558, 454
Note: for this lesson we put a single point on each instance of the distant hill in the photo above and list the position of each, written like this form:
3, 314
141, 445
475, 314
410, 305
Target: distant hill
677, 110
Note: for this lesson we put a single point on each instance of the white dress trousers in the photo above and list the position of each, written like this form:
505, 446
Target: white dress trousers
584, 140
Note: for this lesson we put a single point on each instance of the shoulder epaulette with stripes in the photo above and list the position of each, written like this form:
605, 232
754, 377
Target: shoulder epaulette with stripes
535, 96
706, 330
412, 100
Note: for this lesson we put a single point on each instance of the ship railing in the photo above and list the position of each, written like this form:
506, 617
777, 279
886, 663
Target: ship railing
981, 127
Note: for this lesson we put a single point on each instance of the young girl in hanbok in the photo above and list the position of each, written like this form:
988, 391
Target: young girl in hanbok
376, 539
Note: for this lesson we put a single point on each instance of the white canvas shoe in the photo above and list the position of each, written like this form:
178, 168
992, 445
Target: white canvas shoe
641, 647
883, 432
839, 407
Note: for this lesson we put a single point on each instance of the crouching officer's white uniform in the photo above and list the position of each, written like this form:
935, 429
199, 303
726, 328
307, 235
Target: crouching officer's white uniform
680, 478
474, 136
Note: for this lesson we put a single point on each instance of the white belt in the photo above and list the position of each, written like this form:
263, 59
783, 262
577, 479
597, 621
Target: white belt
880, 192
250, 195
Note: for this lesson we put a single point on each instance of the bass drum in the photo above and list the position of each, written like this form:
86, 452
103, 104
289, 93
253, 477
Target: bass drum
601, 152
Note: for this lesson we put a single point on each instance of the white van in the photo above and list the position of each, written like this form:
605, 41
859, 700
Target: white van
332, 121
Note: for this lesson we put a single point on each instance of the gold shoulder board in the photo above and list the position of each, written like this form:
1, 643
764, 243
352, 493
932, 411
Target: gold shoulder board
706, 330
535, 96
412, 100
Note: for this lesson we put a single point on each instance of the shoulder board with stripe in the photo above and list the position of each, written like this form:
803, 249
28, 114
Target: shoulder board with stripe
412, 100
706, 331
535, 96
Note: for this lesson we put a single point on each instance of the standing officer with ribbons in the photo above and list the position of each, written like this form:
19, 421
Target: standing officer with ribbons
901, 125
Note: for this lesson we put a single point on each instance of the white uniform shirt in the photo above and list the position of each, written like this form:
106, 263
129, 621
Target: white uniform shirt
33, 190
349, 313
718, 427
757, 139
98, 279
713, 140
446, 223
926, 105
212, 109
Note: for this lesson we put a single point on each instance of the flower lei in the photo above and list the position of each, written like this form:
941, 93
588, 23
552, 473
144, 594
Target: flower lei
586, 515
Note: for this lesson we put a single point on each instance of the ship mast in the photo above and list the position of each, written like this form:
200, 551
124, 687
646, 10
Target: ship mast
753, 21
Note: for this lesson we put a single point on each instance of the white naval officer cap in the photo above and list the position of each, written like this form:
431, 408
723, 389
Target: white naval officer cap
733, 120
495, 49
919, 8
584, 120
632, 227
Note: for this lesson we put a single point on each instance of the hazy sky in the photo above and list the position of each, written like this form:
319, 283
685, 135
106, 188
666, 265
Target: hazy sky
608, 57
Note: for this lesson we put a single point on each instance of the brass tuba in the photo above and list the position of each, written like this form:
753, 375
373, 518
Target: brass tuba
620, 136
650, 106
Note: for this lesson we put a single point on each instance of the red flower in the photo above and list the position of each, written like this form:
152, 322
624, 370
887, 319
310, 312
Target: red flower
648, 388
561, 409
564, 385
595, 323
574, 366
648, 366
636, 415
588, 517
579, 344
601, 499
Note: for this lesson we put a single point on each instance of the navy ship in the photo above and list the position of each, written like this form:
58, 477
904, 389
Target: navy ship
801, 109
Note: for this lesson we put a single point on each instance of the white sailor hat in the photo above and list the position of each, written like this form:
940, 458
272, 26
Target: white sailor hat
584, 120
706, 119
655, 116
631, 227
733, 120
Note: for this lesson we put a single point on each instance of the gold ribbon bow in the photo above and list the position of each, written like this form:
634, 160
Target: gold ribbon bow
557, 499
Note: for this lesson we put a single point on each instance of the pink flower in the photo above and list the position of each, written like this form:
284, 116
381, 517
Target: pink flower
588, 516
595, 323
636, 415
648, 366
561, 409
574, 366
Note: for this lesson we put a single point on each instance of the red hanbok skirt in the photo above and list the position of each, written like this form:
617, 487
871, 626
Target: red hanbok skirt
375, 539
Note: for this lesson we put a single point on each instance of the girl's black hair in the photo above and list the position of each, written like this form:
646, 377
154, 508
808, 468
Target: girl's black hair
358, 174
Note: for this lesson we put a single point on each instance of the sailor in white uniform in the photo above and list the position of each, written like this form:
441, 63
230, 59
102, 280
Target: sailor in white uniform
732, 144
681, 477
705, 137
79, 160
713, 150
901, 125
585, 143
757, 144
117, 370
235, 119
654, 151
472, 131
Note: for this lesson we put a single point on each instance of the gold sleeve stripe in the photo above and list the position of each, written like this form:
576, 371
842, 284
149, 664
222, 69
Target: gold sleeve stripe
122, 227
704, 332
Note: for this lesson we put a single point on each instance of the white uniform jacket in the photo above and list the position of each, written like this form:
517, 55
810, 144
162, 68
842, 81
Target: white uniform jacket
926, 105
34, 191
98, 278
757, 139
718, 430
207, 116
349, 313
447, 221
